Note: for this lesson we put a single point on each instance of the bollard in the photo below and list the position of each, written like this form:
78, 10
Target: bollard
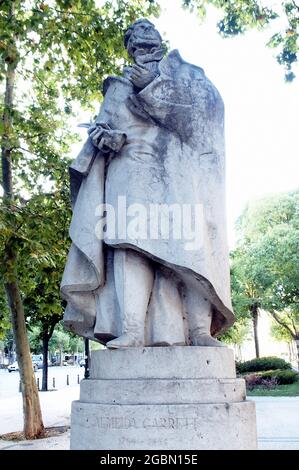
67, 380
37, 383
78, 379
53, 382
20, 386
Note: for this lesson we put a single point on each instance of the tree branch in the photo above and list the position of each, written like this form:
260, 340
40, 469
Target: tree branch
55, 320
276, 317
293, 323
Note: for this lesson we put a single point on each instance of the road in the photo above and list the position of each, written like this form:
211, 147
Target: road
9, 381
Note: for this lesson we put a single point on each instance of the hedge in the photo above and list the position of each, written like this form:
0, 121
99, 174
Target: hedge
282, 377
262, 364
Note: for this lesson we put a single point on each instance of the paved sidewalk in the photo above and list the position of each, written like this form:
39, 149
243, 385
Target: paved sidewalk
277, 420
61, 442
55, 405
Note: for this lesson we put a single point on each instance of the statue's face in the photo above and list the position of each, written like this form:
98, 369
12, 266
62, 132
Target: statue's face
144, 36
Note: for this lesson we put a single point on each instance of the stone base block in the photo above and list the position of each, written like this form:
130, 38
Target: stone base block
163, 427
163, 398
181, 362
159, 391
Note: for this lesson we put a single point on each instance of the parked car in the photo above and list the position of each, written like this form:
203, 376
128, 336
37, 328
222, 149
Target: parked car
15, 367
82, 363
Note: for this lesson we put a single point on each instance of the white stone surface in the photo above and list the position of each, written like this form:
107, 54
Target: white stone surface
163, 398
160, 136
182, 362
201, 426
162, 391
154, 145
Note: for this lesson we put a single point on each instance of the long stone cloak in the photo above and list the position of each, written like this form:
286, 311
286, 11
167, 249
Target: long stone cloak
174, 154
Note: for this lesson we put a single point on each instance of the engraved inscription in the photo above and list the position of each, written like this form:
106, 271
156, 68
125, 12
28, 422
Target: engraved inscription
164, 422
116, 422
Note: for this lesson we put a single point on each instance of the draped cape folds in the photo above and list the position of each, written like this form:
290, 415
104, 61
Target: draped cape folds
173, 154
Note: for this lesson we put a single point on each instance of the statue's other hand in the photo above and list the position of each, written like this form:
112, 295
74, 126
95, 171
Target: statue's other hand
107, 140
98, 126
95, 133
141, 77
112, 141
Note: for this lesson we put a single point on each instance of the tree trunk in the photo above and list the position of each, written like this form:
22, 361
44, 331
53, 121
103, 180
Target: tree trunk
254, 314
46, 336
33, 424
45, 341
293, 333
297, 344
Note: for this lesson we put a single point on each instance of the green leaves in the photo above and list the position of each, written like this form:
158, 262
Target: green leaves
240, 16
63, 51
265, 264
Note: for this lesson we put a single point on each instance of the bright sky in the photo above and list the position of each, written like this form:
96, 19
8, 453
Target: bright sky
262, 111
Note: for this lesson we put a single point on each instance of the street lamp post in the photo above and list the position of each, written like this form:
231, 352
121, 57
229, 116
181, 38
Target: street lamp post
86, 371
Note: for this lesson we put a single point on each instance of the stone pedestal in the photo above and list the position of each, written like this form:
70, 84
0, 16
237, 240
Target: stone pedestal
163, 398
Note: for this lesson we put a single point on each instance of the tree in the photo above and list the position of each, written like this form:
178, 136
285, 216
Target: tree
268, 257
240, 16
279, 333
5, 324
76, 345
58, 52
240, 330
32, 413
43, 267
9, 346
246, 292
60, 341
237, 334
34, 339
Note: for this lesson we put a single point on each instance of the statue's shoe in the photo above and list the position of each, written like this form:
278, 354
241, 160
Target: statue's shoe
207, 340
124, 341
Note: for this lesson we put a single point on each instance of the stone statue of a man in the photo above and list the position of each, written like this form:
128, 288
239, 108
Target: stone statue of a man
156, 149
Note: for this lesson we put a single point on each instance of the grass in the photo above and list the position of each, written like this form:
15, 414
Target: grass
291, 390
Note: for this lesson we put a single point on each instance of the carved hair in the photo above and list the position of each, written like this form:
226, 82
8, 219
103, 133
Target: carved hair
130, 30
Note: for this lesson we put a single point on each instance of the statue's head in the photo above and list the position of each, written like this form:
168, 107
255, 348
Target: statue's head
141, 35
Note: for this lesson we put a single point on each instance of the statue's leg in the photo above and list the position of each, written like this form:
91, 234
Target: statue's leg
134, 278
199, 313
